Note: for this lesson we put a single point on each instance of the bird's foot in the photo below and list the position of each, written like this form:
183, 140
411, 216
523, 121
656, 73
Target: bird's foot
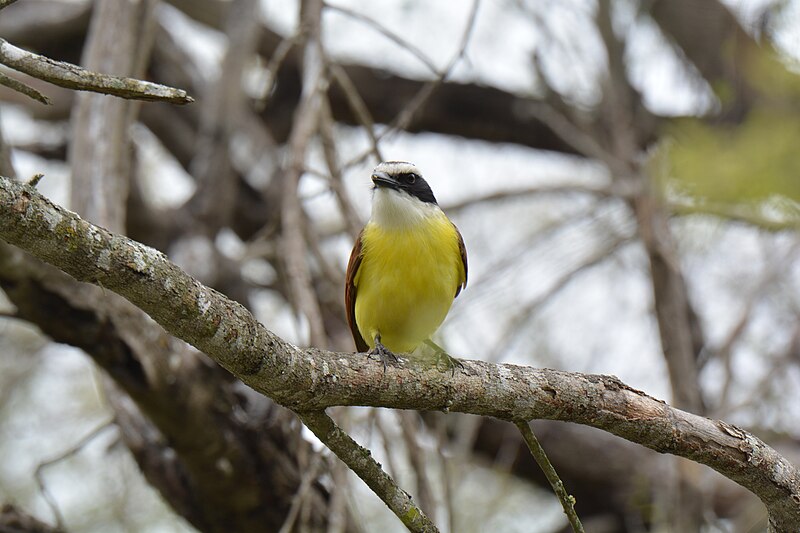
448, 362
443, 359
383, 354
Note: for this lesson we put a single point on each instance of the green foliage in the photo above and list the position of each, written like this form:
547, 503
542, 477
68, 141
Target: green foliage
749, 163
747, 170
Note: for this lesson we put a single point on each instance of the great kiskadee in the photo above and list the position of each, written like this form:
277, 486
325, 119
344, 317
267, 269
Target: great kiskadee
407, 265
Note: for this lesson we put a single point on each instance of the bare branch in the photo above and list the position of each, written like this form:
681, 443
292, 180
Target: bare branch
309, 476
77, 447
421, 98
500, 196
292, 216
22, 88
529, 309
409, 112
74, 77
223, 109
581, 141
272, 68
567, 501
337, 508
362, 463
416, 456
357, 105
386, 32
738, 214
328, 138
119, 40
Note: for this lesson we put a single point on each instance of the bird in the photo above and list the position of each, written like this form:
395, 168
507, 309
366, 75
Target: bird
407, 266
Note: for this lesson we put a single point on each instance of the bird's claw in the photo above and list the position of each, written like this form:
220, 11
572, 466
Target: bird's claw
384, 355
443, 359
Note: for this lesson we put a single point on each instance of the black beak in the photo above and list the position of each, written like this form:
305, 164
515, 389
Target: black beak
382, 179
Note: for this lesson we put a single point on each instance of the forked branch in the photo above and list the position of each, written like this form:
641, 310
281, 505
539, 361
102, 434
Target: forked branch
309, 380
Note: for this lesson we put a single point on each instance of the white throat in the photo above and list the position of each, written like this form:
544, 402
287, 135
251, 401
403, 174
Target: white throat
396, 210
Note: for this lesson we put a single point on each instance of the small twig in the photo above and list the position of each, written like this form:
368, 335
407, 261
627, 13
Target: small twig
403, 119
38, 474
500, 196
450, 454
537, 237
272, 68
74, 77
386, 32
357, 105
378, 422
337, 505
421, 98
581, 141
567, 501
737, 214
22, 88
417, 458
328, 138
517, 324
364, 465
35, 179
777, 367
331, 272
301, 495
724, 352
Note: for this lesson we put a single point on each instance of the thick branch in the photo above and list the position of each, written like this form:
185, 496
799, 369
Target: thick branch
118, 42
179, 399
311, 379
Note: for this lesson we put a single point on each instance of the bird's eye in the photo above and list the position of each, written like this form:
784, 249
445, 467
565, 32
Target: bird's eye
411, 178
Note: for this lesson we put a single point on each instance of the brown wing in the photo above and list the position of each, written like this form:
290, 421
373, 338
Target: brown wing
463, 250
350, 295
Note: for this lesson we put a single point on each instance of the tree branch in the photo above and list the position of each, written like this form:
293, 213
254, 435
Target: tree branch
567, 501
368, 469
168, 393
304, 126
20, 87
74, 77
39, 472
312, 380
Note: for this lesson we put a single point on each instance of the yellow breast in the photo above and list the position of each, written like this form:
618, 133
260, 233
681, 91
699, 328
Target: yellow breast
407, 281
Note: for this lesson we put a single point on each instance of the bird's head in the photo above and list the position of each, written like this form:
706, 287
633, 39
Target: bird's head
402, 198
403, 177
